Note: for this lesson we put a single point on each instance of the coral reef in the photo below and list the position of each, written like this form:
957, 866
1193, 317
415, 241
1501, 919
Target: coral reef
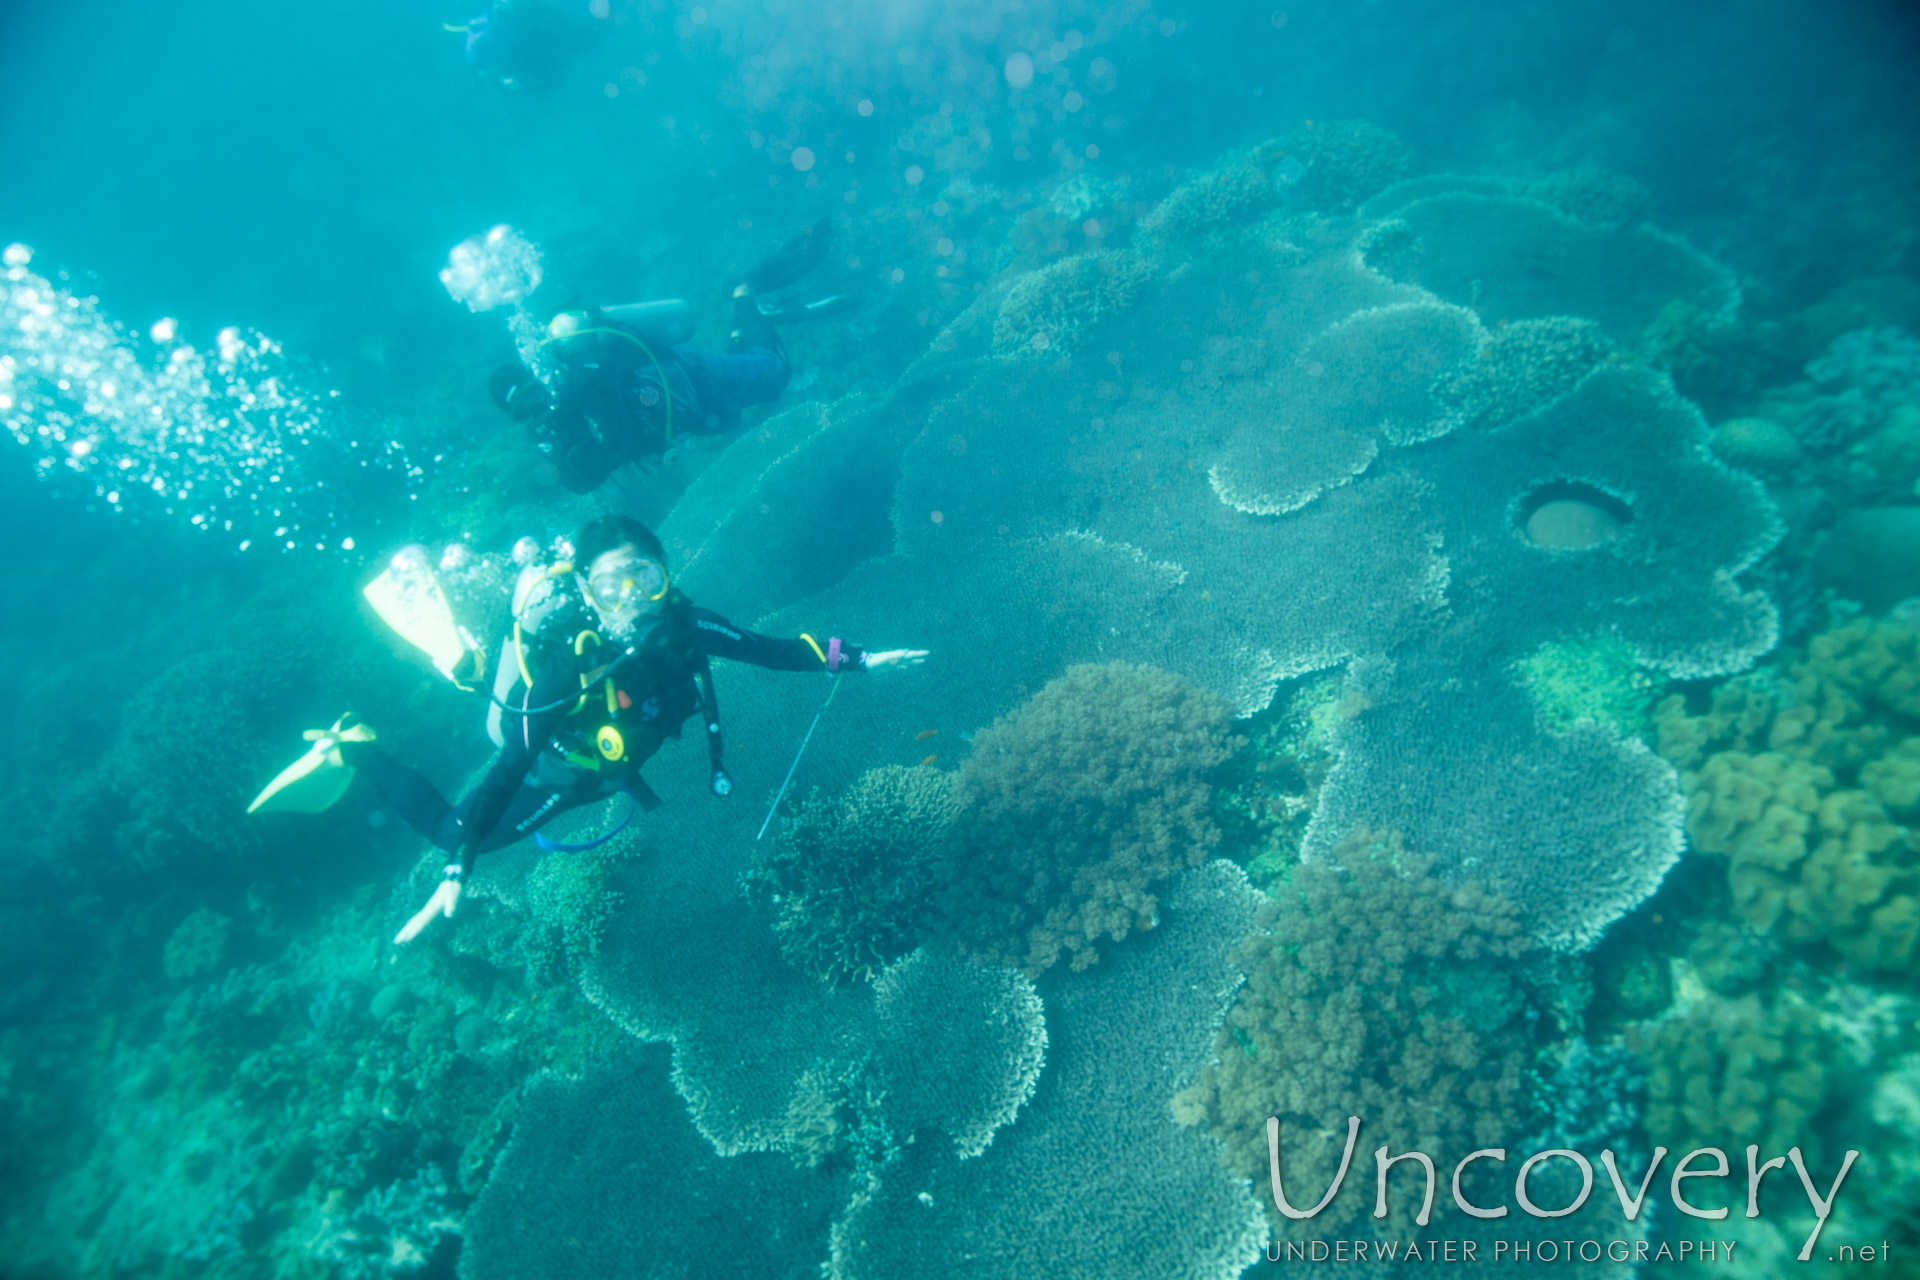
1124, 1038
1514, 258
574, 893
1368, 380
394, 1231
1521, 367
197, 945
678, 1208
1757, 444
1785, 778
1495, 773
1872, 555
1213, 199
1595, 680
1599, 197
1373, 990
1076, 807
851, 878
1731, 1071
1047, 311
1339, 163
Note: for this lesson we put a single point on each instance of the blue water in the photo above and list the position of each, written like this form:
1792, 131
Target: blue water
1412, 506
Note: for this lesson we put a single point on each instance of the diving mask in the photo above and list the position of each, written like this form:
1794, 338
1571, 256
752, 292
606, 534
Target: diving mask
626, 585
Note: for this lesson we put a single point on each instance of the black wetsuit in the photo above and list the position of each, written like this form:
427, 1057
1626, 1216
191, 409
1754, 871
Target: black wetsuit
613, 405
554, 760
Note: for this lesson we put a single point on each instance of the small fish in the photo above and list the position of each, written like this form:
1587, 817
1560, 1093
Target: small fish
924, 734
930, 759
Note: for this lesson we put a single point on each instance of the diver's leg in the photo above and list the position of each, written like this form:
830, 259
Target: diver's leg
727, 382
530, 808
403, 790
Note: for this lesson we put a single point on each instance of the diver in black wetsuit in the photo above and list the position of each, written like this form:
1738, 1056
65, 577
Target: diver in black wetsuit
625, 384
617, 660
526, 44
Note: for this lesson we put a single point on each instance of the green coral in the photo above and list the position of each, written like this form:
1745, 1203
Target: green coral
1729, 1072
197, 945
1378, 991
1049, 309
1523, 367
1075, 808
1797, 782
1594, 679
850, 878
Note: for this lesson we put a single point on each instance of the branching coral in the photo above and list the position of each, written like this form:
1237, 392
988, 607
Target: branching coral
850, 878
1377, 991
1047, 310
1214, 199
1342, 162
1076, 806
574, 893
1521, 367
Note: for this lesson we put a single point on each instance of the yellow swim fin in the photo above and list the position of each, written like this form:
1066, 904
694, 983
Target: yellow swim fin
408, 597
314, 782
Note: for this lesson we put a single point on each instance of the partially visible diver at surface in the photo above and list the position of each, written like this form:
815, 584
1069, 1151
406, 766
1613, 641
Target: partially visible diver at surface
606, 660
625, 383
526, 44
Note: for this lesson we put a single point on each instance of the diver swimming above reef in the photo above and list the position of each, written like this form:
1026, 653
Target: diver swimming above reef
605, 661
621, 380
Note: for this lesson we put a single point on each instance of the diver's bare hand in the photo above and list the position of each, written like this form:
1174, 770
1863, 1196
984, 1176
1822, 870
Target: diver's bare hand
895, 658
443, 901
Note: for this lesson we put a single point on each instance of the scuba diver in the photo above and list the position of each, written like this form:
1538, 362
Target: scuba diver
624, 381
605, 661
528, 44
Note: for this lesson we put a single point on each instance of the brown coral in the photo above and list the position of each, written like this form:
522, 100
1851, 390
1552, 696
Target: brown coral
1792, 782
1382, 992
1075, 807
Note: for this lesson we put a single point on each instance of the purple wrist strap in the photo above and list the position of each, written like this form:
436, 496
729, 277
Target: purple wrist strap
835, 660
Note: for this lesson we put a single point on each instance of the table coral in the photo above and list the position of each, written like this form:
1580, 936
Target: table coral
1096, 1178
1597, 196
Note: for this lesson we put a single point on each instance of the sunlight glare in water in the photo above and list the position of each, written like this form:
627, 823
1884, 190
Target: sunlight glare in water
230, 432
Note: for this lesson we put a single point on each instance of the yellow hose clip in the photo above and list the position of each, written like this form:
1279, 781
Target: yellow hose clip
586, 681
612, 746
